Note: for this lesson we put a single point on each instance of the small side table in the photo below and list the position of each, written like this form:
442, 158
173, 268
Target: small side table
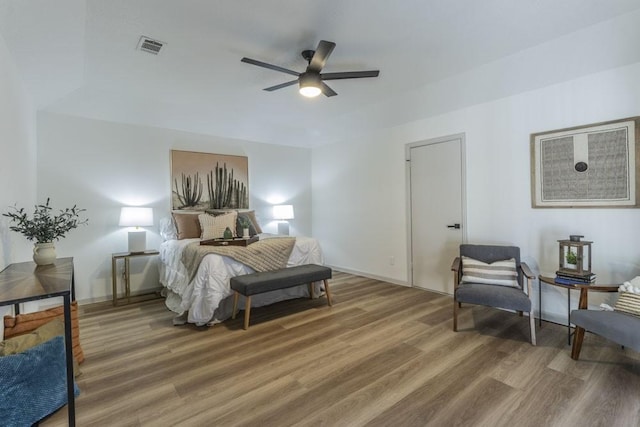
573, 286
551, 281
127, 271
26, 281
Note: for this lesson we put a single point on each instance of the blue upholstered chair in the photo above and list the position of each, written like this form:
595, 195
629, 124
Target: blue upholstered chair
621, 328
484, 292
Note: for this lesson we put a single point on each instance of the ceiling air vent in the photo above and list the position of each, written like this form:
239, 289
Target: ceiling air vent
149, 45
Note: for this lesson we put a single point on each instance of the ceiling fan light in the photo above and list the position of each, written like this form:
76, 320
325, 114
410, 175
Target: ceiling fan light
310, 85
310, 91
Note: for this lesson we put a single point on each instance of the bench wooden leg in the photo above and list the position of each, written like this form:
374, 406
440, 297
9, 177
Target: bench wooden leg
326, 290
247, 311
311, 290
235, 305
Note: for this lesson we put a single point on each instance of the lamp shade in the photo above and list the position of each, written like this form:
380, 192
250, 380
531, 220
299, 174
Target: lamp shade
283, 212
136, 217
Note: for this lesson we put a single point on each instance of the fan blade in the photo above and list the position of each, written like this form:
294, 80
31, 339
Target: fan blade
269, 66
280, 86
349, 75
323, 51
327, 90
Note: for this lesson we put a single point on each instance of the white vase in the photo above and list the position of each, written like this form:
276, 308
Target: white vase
245, 233
44, 253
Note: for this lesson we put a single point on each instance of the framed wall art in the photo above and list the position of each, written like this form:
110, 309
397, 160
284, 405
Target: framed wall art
202, 181
587, 166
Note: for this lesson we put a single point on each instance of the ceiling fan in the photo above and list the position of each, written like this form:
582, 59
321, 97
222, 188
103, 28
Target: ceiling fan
311, 81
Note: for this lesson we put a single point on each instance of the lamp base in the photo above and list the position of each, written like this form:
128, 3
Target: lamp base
137, 241
283, 228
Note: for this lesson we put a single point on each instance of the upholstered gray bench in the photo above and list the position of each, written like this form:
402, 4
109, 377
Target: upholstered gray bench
265, 281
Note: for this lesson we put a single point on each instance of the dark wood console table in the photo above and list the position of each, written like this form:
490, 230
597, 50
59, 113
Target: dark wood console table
26, 281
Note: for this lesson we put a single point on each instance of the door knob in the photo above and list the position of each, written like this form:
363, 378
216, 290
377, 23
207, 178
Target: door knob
456, 226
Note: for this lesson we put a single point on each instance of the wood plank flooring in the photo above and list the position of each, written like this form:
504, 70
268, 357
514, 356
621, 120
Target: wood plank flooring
383, 355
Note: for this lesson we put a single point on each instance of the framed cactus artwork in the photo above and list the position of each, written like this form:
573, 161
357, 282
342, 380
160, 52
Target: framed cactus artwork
202, 181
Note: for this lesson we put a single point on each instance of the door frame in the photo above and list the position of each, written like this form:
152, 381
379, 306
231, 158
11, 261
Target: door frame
463, 191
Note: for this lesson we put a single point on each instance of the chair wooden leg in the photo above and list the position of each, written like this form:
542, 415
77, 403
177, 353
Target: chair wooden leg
235, 305
311, 290
328, 292
455, 315
577, 343
532, 326
247, 311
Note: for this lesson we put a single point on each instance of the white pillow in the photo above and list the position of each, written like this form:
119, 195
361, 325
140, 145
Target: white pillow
213, 226
628, 303
168, 229
501, 273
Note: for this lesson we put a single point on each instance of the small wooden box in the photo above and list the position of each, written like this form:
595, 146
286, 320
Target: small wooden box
236, 241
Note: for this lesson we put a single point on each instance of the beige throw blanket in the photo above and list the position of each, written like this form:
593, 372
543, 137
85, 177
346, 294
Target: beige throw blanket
263, 255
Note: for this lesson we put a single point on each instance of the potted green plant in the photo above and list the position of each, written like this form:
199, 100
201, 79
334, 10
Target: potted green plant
571, 258
244, 223
44, 227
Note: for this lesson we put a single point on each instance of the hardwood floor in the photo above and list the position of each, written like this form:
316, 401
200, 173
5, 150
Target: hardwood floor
383, 355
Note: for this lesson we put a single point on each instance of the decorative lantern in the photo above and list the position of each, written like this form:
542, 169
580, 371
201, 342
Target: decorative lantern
575, 256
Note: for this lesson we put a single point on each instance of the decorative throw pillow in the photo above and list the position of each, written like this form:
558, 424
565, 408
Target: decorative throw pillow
34, 383
254, 220
628, 303
44, 333
188, 225
213, 226
250, 213
168, 229
25, 323
501, 273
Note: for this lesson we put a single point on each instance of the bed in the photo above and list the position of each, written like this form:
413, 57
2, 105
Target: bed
206, 299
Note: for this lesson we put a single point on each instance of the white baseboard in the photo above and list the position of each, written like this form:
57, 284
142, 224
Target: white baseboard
110, 298
369, 275
554, 318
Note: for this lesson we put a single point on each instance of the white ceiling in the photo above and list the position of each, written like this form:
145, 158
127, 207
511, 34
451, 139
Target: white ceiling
79, 57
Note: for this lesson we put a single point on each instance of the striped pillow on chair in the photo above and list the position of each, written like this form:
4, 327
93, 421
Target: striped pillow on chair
501, 273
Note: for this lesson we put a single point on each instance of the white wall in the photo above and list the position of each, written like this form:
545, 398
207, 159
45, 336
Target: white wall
367, 183
17, 160
101, 166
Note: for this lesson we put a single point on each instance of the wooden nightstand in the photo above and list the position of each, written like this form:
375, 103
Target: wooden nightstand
127, 271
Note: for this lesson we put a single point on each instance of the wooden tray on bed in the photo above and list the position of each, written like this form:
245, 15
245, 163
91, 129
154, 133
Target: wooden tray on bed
236, 241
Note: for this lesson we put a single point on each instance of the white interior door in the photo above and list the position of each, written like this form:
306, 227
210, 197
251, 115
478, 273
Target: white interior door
437, 210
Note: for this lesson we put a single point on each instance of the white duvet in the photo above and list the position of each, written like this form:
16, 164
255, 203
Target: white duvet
205, 300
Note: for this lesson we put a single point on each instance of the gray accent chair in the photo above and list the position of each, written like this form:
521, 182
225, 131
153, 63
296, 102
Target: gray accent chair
504, 297
621, 328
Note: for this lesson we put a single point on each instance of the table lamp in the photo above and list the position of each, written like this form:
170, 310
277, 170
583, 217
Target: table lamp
136, 217
283, 213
